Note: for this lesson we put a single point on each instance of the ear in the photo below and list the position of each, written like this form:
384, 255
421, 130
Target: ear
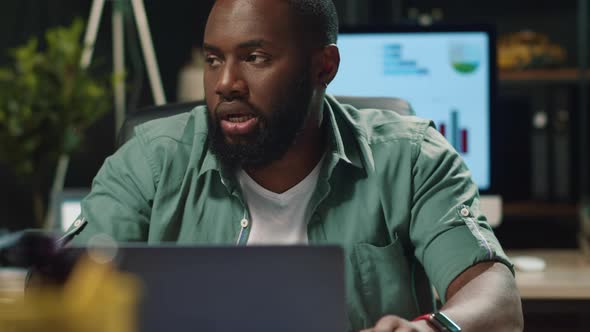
328, 61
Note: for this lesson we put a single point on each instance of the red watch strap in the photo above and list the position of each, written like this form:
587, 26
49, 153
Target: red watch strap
428, 319
422, 317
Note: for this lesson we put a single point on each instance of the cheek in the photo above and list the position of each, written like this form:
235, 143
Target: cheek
209, 83
267, 90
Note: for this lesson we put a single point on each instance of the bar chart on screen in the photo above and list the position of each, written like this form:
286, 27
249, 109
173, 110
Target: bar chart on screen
446, 75
456, 135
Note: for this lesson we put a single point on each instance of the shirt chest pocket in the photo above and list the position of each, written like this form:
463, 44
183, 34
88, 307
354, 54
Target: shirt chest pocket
381, 282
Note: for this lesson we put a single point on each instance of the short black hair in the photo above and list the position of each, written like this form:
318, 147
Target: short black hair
319, 20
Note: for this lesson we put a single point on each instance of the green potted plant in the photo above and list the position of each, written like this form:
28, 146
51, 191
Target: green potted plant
46, 102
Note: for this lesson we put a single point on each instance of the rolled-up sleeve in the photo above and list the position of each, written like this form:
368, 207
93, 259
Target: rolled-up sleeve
447, 228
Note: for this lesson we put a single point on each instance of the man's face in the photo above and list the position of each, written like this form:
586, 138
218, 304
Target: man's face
257, 81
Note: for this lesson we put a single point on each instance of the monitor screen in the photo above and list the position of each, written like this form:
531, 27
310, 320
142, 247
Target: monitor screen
446, 74
67, 207
70, 210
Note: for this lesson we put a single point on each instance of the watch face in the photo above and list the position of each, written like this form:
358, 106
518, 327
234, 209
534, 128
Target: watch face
444, 323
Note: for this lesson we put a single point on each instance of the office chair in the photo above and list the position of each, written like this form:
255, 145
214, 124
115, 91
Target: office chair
155, 112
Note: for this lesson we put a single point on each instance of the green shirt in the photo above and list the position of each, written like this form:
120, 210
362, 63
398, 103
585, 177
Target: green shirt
392, 192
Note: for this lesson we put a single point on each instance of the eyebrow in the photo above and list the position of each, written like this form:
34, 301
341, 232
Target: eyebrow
211, 48
247, 44
253, 43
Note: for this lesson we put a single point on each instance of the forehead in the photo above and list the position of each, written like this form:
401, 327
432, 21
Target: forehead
233, 21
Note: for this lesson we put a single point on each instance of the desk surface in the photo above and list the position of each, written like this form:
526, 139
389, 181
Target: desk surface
566, 275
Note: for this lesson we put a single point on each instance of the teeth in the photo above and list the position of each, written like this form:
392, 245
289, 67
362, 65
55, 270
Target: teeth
242, 118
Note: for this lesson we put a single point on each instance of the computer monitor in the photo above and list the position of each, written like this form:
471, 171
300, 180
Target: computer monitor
446, 73
66, 207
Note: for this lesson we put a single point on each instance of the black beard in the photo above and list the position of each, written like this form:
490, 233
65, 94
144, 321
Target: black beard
276, 132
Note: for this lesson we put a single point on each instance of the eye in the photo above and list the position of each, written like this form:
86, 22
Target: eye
257, 58
212, 60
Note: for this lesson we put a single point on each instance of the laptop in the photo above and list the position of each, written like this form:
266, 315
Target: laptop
224, 289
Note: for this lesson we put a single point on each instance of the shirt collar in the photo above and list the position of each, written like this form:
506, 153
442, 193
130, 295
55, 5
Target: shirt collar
210, 162
344, 144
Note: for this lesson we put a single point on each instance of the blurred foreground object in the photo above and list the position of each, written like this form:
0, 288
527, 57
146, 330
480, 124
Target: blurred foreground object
20, 251
27, 248
95, 298
527, 50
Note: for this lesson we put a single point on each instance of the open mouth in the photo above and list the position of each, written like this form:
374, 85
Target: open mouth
237, 118
239, 124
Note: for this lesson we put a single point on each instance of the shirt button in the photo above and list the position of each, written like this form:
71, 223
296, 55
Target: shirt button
465, 212
244, 223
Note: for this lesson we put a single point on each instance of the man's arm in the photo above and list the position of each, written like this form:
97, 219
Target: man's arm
119, 204
482, 298
485, 298
460, 254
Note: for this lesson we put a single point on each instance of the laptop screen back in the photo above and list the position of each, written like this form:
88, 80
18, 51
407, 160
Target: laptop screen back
238, 288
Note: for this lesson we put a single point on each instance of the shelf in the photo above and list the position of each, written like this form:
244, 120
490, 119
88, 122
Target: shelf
529, 209
563, 75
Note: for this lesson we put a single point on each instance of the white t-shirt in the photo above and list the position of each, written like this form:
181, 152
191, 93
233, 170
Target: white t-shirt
278, 218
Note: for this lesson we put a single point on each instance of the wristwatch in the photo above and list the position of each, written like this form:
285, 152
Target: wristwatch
440, 321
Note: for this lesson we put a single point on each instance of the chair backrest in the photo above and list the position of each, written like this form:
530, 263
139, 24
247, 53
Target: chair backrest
151, 113
398, 105
154, 112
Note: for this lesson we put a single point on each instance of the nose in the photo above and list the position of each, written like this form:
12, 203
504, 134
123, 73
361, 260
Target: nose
230, 83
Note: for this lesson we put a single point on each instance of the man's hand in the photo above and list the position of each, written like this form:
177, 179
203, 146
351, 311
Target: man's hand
398, 324
482, 298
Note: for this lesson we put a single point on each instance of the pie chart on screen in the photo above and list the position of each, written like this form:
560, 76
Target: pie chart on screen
465, 58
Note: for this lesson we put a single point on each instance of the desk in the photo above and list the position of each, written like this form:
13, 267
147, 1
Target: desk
566, 276
558, 298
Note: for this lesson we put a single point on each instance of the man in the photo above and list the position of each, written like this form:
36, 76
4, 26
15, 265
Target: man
272, 159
